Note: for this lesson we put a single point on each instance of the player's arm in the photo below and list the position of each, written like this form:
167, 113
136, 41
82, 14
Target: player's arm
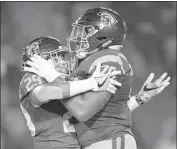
148, 90
58, 90
40, 92
84, 106
46, 69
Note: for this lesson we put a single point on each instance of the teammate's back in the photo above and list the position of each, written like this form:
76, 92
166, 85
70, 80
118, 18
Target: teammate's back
45, 122
115, 117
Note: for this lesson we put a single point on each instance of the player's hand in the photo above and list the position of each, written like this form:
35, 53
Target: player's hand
103, 80
111, 85
42, 67
151, 89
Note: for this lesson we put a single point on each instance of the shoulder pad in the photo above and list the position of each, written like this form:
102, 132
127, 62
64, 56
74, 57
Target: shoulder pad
111, 58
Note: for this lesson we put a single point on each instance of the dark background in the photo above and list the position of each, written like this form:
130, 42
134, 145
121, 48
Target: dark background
150, 47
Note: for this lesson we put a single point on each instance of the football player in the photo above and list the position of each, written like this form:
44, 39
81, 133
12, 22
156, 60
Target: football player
97, 36
40, 97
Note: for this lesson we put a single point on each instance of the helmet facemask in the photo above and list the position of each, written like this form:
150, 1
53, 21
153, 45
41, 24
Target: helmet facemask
78, 41
60, 57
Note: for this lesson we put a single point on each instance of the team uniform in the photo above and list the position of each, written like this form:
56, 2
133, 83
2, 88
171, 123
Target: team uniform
114, 120
45, 123
96, 29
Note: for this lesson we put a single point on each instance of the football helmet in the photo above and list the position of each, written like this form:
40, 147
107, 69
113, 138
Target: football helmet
97, 28
49, 48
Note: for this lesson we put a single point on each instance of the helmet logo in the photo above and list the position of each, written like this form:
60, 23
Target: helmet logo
107, 19
33, 49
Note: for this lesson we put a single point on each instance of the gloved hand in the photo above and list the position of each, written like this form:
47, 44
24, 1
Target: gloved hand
151, 89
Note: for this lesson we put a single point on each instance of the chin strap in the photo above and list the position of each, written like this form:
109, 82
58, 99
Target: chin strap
100, 47
113, 47
116, 47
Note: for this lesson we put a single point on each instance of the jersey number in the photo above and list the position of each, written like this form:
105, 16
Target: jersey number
32, 81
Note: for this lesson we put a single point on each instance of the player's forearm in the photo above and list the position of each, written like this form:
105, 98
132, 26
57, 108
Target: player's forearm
94, 102
81, 86
58, 90
84, 106
132, 103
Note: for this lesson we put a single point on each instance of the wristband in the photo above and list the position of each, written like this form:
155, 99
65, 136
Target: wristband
139, 100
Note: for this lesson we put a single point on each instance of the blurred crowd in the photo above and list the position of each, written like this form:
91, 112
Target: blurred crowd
150, 47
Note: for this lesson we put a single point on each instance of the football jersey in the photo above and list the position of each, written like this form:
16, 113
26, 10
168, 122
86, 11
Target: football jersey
46, 122
114, 119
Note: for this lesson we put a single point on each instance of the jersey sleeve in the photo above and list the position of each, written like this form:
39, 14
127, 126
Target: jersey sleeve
28, 84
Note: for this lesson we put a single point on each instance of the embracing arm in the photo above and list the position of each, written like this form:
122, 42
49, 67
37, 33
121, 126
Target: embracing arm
82, 107
58, 90
86, 105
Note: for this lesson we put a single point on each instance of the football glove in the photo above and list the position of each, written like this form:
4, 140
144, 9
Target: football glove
151, 89
42, 67
104, 79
